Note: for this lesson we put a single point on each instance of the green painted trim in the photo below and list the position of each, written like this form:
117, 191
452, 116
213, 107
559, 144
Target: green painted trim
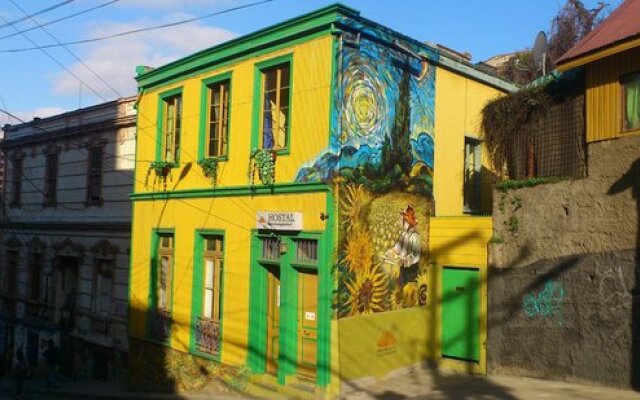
204, 112
257, 101
300, 28
233, 191
153, 269
288, 346
197, 288
160, 121
325, 292
288, 340
257, 341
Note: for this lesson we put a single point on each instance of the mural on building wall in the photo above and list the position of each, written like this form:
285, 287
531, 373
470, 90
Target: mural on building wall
382, 259
381, 158
383, 117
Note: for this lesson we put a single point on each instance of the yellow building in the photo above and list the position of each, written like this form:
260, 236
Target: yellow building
284, 203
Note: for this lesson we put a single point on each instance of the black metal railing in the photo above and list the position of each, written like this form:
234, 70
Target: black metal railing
208, 336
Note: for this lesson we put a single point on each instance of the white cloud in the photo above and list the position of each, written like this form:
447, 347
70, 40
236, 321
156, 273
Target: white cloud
29, 115
115, 59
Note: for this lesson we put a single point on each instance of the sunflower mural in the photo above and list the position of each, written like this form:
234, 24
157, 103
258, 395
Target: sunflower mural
380, 156
382, 263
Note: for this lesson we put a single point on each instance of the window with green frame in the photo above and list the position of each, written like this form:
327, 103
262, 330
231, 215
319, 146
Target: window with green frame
630, 102
171, 127
274, 106
161, 279
218, 118
207, 324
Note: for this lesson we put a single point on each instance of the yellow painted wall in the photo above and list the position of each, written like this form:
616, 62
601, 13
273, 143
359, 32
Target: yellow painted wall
604, 95
235, 216
309, 129
461, 242
459, 101
375, 344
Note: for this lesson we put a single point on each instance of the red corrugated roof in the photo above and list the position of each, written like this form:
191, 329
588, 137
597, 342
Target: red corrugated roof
622, 24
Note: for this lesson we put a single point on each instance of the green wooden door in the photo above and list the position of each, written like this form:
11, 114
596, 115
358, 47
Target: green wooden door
461, 313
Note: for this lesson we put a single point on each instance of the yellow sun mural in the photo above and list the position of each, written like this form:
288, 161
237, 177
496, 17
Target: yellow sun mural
367, 291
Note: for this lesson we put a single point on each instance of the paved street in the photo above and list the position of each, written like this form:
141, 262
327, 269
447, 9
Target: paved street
416, 384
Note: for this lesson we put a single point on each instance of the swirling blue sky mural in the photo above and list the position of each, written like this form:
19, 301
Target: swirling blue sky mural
384, 108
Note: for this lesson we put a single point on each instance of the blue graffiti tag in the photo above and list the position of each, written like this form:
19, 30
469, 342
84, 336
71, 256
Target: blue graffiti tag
548, 303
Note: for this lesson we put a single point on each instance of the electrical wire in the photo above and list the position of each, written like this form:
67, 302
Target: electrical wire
57, 62
53, 7
68, 50
134, 31
60, 19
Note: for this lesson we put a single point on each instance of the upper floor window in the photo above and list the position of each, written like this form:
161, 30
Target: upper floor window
50, 179
171, 127
16, 182
472, 171
631, 102
276, 92
218, 118
94, 178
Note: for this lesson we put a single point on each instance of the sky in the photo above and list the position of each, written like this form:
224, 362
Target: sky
38, 84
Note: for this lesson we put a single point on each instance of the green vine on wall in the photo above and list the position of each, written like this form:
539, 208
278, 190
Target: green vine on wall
162, 171
264, 162
210, 169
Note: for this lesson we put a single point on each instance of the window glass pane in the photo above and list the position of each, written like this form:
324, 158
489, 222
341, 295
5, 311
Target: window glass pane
270, 79
271, 249
284, 75
208, 304
209, 274
307, 251
631, 100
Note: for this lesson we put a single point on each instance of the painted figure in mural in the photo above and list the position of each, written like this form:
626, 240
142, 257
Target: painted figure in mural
407, 248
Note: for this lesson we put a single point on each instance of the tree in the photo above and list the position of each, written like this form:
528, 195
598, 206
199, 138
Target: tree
573, 22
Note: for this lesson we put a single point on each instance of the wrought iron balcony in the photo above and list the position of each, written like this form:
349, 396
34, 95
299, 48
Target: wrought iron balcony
208, 336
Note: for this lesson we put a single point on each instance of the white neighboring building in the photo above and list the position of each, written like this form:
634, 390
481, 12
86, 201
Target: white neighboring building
64, 256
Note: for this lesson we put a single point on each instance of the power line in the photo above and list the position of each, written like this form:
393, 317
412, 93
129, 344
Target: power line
60, 19
53, 7
131, 32
67, 49
58, 62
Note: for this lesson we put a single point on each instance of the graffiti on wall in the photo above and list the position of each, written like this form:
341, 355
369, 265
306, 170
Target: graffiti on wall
546, 304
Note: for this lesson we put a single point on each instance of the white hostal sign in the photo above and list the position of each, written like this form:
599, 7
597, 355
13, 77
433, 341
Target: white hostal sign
279, 220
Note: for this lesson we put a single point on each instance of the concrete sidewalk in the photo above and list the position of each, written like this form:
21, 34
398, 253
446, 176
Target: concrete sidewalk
417, 383
426, 383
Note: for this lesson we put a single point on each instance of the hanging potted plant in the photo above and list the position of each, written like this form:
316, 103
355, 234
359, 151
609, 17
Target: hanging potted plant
264, 162
162, 171
210, 169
